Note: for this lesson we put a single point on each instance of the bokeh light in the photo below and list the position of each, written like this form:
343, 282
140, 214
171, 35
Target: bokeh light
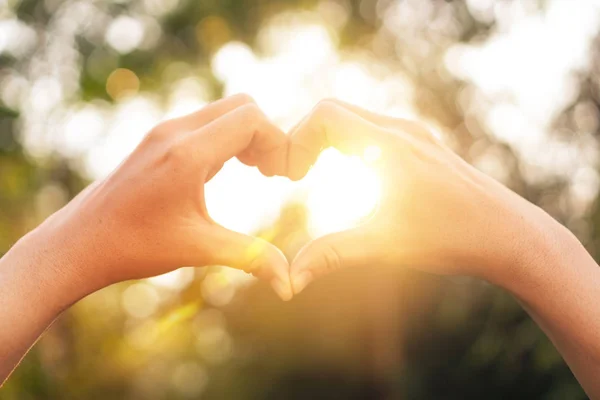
512, 86
122, 82
140, 300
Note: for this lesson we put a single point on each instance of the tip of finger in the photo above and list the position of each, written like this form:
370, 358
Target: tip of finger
275, 269
283, 289
300, 159
300, 280
274, 163
301, 273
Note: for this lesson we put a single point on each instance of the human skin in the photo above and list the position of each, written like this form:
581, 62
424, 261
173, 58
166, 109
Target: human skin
147, 218
437, 213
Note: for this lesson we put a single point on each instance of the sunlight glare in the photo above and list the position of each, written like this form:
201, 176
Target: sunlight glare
372, 154
174, 280
342, 192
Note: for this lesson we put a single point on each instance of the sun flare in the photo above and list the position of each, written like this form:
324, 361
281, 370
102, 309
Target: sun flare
342, 191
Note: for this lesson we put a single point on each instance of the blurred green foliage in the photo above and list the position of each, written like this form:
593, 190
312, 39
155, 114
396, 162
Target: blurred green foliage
377, 334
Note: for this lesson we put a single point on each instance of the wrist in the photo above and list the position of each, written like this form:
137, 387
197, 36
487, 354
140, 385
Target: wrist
46, 263
540, 253
557, 282
37, 283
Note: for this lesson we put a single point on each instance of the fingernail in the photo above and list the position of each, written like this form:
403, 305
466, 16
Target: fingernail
283, 289
300, 281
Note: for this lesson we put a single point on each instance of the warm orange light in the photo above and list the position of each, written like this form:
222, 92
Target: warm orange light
122, 82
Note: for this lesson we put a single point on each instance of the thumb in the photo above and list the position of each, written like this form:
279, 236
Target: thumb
329, 253
250, 254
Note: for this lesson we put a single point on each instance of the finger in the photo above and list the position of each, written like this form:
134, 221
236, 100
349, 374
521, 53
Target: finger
330, 253
244, 132
404, 125
250, 254
330, 124
207, 114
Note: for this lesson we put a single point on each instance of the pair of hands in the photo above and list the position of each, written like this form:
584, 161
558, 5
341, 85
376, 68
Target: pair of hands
150, 217
437, 213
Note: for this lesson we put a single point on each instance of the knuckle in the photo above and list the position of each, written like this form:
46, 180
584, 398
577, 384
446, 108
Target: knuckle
242, 98
158, 133
266, 170
325, 109
251, 109
261, 265
175, 153
250, 115
272, 259
325, 113
331, 258
332, 100
248, 158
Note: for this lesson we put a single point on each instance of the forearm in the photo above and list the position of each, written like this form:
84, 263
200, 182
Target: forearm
37, 283
559, 285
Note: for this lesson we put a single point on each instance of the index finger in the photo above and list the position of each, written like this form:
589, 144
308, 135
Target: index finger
207, 114
404, 125
329, 125
245, 129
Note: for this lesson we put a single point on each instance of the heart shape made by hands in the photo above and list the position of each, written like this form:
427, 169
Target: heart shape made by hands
339, 191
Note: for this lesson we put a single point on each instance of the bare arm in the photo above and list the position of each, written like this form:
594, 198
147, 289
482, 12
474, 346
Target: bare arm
36, 285
560, 289
441, 215
147, 218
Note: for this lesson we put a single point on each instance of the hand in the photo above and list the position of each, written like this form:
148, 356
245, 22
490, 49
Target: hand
437, 212
149, 216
